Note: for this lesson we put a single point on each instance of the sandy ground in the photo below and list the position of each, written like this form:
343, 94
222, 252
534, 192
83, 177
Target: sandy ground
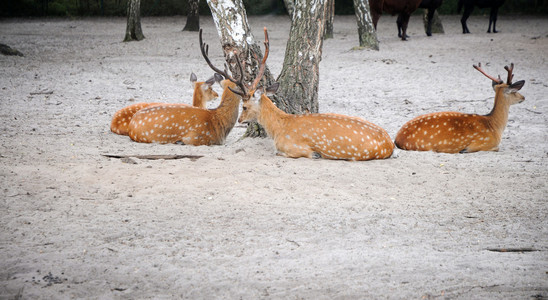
241, 222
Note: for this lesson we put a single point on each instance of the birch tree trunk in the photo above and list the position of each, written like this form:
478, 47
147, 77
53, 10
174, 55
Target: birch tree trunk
299, 79
133, 28
193, 17
230, 19
329, 20
366, 31
290, 6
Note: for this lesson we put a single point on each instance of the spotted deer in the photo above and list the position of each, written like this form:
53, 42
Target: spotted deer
329, 136
203, 93
453, 132
192, 125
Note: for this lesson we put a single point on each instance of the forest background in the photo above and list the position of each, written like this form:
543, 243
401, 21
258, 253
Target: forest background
78, 8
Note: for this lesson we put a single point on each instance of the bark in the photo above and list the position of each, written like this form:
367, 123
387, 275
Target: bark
366, 31
299, 79
330, 17
193, 18
437, 26
133, 28
290, 6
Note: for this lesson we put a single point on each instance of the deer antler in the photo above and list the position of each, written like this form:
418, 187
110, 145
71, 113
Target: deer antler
478, 67
262, 66
205, 48
510, 74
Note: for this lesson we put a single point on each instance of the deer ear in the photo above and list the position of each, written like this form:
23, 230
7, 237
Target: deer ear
193, 77
209, 82
516, 86
218, 77
272, 89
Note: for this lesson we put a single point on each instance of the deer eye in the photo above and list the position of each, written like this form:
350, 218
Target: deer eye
244, 108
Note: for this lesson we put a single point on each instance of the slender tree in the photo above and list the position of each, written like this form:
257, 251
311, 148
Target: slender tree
366, 31
230, 19
330, 18
290, 6
299, 79
193, 17
133, 28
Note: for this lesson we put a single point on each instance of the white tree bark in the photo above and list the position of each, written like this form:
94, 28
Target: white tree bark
366, 31
230, 19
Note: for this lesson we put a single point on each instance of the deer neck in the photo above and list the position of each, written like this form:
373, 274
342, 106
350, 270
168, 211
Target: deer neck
198, 97
226, 114
270, 116
498, 117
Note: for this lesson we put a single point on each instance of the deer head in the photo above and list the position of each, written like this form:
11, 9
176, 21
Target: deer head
245, 91
509, 89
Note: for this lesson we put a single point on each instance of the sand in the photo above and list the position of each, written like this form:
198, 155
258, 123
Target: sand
240, 222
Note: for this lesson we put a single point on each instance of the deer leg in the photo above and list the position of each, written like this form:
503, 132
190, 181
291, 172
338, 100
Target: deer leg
465, 15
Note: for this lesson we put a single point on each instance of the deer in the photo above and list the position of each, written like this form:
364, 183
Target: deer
469, 7
404, 9
455, 132
330, 136
203, 93
192, 125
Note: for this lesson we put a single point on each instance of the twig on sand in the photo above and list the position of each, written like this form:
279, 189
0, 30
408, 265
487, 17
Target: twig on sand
512, 249
155, 156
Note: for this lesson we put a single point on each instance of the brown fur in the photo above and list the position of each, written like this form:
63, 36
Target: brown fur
188, 125
120, 120
329, 136
453, 132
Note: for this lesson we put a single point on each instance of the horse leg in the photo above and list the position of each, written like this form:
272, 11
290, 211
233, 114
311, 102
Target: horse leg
467, 11
404, 22
493, 19
429, 17
398, 23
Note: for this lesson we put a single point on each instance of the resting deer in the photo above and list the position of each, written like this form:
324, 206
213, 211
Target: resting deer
329, 136
202, 94
453, 132
191, 125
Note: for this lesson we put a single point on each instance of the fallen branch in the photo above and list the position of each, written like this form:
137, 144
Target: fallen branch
43, 92
512, 249
155, 156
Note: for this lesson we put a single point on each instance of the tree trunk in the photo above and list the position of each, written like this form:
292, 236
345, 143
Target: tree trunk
330, 17
366, 30
193, 18
299, 79
437, 26
230, 19
133, 29
290, 6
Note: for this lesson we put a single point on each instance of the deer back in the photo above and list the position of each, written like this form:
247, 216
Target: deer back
186, 124
329, 136
453, 132
203, 92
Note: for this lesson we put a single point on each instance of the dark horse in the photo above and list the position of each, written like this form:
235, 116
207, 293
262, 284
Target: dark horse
469, 7
402, 7
431, 6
